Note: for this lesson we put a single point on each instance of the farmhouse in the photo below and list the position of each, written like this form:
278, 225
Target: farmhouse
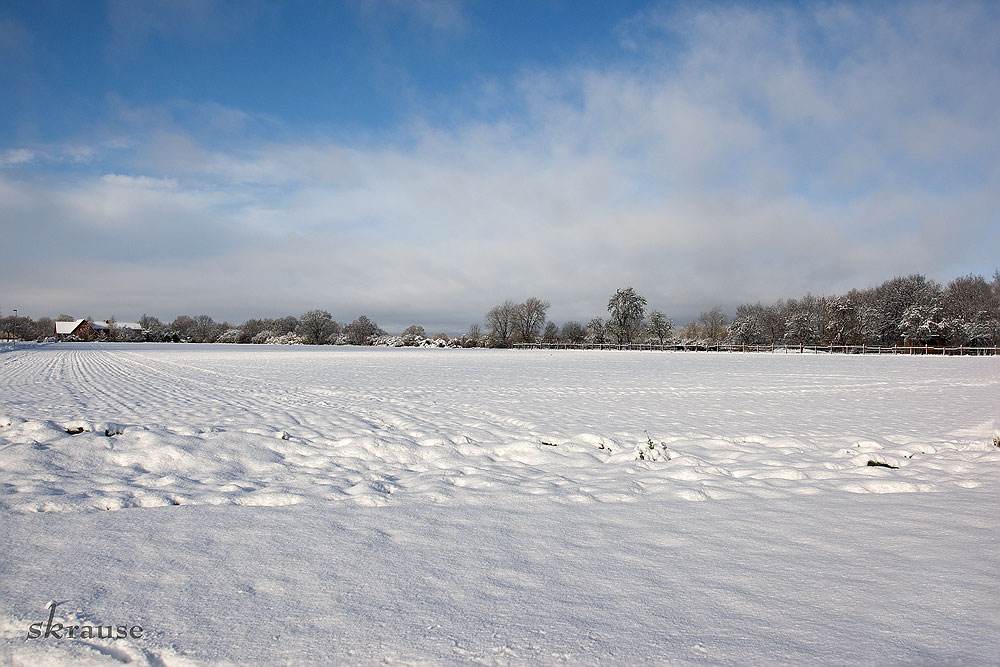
79, 328
87, 330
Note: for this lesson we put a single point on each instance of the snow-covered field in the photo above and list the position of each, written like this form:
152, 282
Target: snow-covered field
340, 505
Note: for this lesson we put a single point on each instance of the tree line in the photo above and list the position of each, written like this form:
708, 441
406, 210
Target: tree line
904, 310
910, 310
512, 323
315, 327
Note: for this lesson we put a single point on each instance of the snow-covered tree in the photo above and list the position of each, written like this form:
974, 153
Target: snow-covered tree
231, 336
660, 325
626, 310
970, 298
756, 324
843, 326
413, 335
361, 331
596, 331
924, 325
316, 327
893, 297
803, 321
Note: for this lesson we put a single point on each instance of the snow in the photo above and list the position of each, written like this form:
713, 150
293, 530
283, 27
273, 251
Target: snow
355, 505
66, 328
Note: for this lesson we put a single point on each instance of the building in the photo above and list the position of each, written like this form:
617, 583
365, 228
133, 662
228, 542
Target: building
87, 330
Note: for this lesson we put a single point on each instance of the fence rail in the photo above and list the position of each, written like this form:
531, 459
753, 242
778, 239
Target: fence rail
798, 349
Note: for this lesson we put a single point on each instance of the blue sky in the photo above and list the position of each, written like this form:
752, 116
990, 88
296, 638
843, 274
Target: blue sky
421, 161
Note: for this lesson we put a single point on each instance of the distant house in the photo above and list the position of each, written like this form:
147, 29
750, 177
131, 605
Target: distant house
86, 330
79, 328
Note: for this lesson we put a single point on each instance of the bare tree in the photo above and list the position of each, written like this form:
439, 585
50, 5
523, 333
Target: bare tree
184, 326
528, 319
690, 332
112, 333
45, 327
473, 337
971, 297
316, 326
551, 334
205, 329
500, 320
150, 323
287, 324
573, 332
9, 328
713, 324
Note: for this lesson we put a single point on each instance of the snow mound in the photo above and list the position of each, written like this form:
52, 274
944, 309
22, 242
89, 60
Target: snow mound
79, 465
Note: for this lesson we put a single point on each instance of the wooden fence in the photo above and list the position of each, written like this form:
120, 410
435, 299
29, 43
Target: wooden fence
797, 349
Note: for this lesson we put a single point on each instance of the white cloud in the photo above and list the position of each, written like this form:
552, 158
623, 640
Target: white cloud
140, 182
16, 157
